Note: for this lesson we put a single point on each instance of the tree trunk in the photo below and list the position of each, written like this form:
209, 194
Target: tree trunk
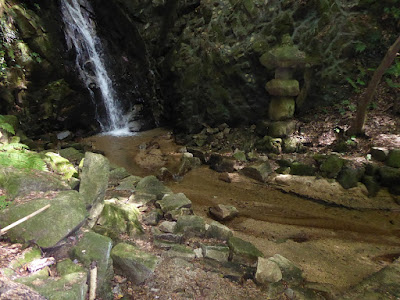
357, 128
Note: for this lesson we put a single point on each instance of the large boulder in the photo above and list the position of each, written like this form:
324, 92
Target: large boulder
46, 228
94, 182
133, 263
93, 247
20, 182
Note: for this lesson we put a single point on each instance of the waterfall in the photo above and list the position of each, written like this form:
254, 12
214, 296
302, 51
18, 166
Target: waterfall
80, 33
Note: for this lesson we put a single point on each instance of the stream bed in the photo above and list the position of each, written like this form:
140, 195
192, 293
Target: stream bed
334, 246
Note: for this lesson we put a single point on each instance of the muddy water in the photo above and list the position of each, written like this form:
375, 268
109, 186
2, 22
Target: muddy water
334, 246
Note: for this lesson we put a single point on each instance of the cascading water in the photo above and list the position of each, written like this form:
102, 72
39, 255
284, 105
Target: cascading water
80, 33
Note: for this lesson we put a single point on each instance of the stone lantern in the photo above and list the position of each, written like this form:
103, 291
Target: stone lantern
285, 58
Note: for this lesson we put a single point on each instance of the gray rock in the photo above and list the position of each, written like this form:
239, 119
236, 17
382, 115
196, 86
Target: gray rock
94, 182
152, 218
128, 183
215, 252
173, 202
218, 231
290, 145
393, 159
267, 271
243, 252
258, 172
176, 213
167, 226
290, 272
378, 153
188, 163
46, 228
134, 263
72, 154
165, 175
95, 247
239, 155
198, 252
151, 185
190, 226
118, 174
223, 212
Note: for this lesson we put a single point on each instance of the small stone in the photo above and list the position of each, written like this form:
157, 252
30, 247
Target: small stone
218, 231
223, 212
267, 271
167, 226
176, 213
181, 251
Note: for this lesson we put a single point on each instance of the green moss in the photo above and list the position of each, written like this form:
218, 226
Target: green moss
67, 266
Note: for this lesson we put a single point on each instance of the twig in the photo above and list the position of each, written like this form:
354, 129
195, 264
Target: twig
5, 229
93, 281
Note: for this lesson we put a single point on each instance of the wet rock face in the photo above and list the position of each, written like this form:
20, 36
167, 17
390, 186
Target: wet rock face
207, 52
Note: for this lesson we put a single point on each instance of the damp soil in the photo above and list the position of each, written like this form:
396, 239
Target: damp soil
334, 246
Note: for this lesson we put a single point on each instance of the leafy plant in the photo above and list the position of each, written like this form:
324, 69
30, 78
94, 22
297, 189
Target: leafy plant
3, 202
6, 126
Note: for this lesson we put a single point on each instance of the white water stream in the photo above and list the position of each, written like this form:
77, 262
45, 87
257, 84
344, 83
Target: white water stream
80, 33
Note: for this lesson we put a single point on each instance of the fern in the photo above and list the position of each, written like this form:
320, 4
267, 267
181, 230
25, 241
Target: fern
13, 146
6, 126
23, 160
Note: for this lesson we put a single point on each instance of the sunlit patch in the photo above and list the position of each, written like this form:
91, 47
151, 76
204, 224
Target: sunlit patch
121, 132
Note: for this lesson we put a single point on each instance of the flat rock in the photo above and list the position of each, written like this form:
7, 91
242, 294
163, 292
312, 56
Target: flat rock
173, 202
167, 226
223, 212
191, 226
46, 228
216, 252
134, 263
258, 171
218, 231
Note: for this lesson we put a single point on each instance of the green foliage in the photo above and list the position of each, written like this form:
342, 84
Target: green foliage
360, 47
23, 160
345, 106
3, 202
6, 126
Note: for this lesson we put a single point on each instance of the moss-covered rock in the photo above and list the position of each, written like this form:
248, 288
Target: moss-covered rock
281, 128
389, 176
133, 263
393, 159
60, 165
67, 266
70, 286
331, 166
47, 228
72, 154
371, 184
119, 217
269, 144
94, 178
349, 177
218, 231
95, 247
151, 185
281, 87
174, 202
302, 169
191, 226
243, 252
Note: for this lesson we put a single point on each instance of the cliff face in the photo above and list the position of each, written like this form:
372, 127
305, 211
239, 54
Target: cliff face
185, 63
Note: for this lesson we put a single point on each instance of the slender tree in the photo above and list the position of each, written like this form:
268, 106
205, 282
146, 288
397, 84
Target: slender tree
357, 127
